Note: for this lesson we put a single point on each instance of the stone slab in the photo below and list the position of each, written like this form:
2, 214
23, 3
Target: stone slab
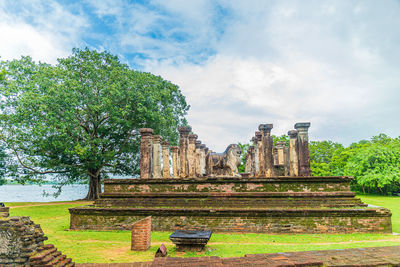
186, 240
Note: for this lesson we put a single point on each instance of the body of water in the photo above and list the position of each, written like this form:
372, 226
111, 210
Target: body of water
34, 193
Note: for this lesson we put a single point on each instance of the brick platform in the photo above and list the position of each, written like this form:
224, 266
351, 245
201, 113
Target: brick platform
260, 205
378, 256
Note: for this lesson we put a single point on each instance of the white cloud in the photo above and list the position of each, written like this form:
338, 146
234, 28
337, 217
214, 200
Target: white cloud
44, 30
240, 63
288, 62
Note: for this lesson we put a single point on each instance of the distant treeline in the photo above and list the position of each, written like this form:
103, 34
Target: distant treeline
374, 164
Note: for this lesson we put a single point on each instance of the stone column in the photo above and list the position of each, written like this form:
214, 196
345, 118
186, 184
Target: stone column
304, 153
197, 157
253, 162
261, 158
287, 161
248, 162
267, 144
175, 161
191, 155
146, 147
293, 153
207, 153
157, 156
275, 156
202, 160
165, 159
183, 151
280, 146
256, 156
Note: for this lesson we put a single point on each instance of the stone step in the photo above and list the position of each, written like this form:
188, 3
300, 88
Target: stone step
46, 261
223, 202
230, 185
66, 262
57, 258
48, 255
45, 247
226, 194
43, 256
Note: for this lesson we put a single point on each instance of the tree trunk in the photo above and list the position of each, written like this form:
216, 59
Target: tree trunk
94, 186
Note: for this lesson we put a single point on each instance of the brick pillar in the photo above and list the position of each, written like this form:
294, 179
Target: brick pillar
304, 153
267, 145
165, 159
157, 156
202, 160
197, 158
146, 150
293, 153
191, 155
141, 235
175, 161
183, 151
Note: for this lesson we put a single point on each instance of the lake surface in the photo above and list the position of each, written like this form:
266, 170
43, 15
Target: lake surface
34, 193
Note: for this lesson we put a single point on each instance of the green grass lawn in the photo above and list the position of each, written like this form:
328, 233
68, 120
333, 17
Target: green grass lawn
114, 246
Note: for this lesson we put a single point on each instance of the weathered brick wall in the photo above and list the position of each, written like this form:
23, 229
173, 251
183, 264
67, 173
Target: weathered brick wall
21, 244
141, 235
238, 220
229, 185
226, 202
4, 211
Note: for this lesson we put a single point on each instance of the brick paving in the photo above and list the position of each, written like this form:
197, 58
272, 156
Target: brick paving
376, 256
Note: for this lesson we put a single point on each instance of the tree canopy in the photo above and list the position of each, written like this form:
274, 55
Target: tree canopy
78, 120
374, 164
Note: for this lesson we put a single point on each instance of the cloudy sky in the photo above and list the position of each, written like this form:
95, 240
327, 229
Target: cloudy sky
239, 63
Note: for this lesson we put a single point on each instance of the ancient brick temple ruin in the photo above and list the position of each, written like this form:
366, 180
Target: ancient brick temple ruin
204, 190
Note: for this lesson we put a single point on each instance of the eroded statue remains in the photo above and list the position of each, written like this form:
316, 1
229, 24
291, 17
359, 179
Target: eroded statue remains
225, 164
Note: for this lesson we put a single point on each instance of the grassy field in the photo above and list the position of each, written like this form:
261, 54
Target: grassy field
107, 246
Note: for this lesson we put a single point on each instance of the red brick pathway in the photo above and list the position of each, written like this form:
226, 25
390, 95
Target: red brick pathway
378, 256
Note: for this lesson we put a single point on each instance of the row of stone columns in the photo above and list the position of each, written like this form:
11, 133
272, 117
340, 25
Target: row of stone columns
154, 155
188, 159
192, 155
265, 160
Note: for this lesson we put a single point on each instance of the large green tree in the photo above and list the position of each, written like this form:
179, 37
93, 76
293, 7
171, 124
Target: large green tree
79, 120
